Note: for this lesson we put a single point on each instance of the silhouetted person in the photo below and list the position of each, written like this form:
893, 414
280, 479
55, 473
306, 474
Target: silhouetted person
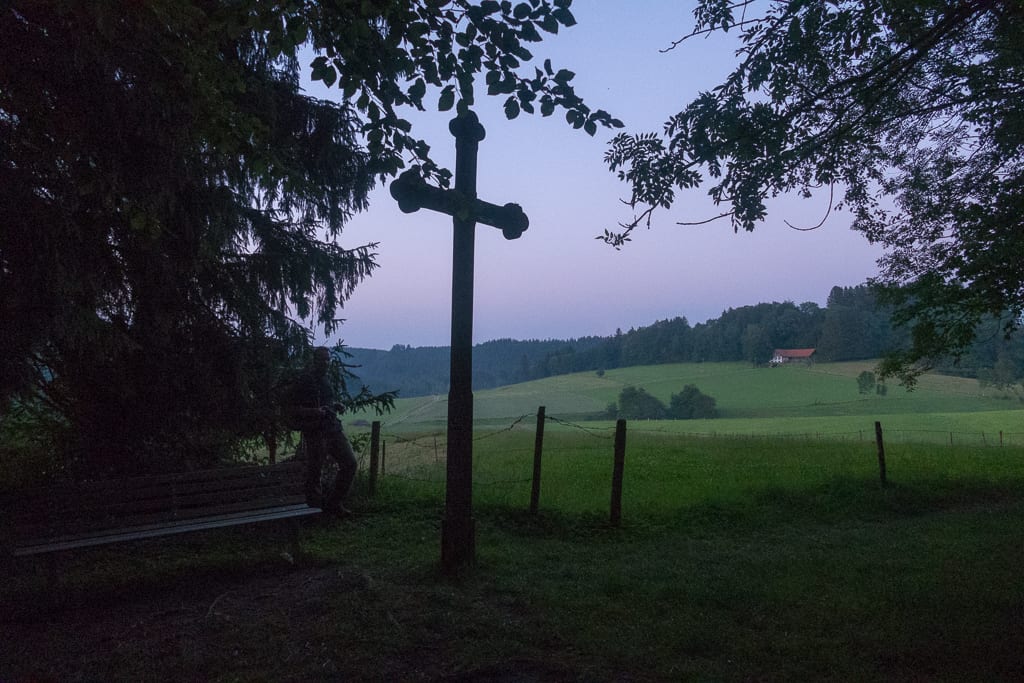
315, 407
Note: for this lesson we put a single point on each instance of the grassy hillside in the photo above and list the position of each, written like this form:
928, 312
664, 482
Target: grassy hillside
823, 397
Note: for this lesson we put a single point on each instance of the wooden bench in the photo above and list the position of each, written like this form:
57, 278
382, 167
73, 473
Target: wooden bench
60, 518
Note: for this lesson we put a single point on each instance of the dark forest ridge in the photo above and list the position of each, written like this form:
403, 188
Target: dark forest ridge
851, 326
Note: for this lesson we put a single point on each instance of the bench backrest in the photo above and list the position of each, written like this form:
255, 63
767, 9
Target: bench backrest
88, 506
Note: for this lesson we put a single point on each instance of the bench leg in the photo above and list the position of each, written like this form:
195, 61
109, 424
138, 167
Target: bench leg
294, 540
52, 580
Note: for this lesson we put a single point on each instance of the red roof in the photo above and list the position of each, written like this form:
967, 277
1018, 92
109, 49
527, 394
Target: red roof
794, 353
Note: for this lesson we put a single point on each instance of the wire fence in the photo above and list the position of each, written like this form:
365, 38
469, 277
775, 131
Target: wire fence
436, 442
504, 461
898, 435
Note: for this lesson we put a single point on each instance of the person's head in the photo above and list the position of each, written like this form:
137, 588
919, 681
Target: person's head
321, 359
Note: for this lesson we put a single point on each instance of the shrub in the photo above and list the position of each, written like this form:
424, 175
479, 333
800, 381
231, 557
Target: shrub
637, 404
692, 404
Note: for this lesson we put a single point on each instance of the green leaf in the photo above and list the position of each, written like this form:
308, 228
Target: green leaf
447, 99
511, 108
328, 75
564, 76
529, 33
549, 24
417, 90
521, 11
564, 16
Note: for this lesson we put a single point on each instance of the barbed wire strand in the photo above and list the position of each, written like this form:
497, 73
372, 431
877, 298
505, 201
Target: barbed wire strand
589, 430
503, 430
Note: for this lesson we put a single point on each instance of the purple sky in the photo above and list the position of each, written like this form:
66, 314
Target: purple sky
557, 281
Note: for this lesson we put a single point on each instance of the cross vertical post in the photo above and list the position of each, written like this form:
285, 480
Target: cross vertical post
458, 542
458, 538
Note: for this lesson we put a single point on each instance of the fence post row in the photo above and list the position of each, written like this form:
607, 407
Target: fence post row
378, 447
618, 466
538, 447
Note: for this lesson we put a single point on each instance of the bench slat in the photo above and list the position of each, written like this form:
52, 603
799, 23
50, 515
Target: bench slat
46, 528
155, 530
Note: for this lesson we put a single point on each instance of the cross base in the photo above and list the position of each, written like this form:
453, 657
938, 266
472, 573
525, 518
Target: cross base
458, 542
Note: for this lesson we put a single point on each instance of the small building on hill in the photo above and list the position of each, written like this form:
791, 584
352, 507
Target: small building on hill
783, 356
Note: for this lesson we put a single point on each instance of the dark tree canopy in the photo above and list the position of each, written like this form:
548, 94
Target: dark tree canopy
172, 202
906, 113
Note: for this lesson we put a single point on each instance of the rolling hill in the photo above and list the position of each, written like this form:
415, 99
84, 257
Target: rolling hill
790, 399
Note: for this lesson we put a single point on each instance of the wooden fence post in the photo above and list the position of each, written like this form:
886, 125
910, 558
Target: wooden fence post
374, 453
620, 460
881, 452
383, 456
538, 448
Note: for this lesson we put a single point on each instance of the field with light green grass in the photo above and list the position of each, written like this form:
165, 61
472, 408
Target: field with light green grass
818, 400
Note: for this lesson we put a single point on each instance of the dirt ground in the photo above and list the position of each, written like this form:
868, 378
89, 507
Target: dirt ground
293, 623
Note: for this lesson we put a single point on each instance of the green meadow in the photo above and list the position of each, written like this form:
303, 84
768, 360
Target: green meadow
821, 399
759, 546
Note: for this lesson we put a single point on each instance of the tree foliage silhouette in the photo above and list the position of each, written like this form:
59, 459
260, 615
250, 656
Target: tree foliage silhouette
173, 201
905, 113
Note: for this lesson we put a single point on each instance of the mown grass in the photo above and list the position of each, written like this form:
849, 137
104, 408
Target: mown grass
820, 400
737, 559
765, 559
666, 472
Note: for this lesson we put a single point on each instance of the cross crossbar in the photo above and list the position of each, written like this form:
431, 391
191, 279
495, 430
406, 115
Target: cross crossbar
413, 193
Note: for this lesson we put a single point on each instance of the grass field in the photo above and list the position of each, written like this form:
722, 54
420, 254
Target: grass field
737, 559
760, 546
820, 399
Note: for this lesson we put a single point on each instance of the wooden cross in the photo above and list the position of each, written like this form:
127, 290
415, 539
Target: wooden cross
458, 545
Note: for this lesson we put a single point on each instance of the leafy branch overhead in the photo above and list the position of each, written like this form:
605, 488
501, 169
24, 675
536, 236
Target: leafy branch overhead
906, 113
403, 52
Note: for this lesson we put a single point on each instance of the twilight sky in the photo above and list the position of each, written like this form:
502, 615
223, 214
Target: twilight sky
557, 281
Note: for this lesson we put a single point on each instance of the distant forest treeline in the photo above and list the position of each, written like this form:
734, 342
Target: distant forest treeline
851, 326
